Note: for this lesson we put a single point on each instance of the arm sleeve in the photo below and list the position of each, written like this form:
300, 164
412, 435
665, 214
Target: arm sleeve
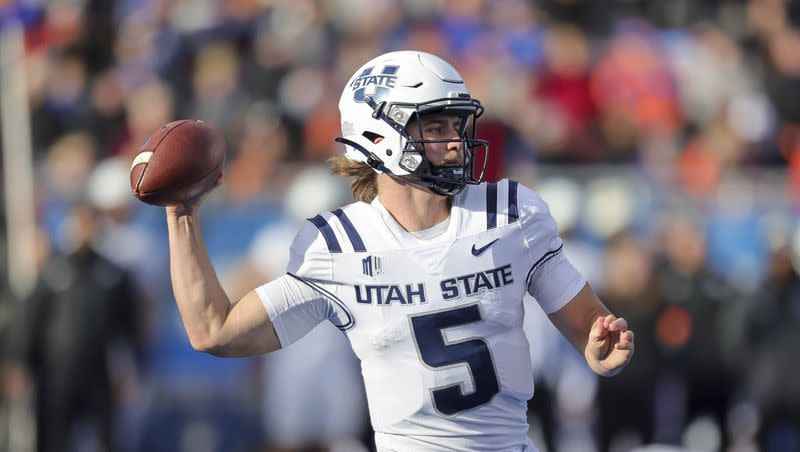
552, 280
306, 295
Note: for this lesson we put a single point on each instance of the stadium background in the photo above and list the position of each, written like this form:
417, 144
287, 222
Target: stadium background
664, 135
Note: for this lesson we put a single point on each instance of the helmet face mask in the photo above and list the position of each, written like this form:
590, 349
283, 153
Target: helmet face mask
393, 105
450, 177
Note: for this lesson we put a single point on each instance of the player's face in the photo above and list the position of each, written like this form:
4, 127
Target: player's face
440, 126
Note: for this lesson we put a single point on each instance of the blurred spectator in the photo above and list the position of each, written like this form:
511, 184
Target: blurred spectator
67, 338
780, 42
147, 108
63, 170
108, 119
688, 327
563, 86
63, 104
216, 95
123, 239
626, 413
772, 333
634, 90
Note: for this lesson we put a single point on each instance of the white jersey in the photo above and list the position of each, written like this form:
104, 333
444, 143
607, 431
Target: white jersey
435, 317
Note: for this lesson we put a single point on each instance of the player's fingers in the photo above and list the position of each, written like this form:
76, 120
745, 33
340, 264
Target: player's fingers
625, 345
598, 329
619, 324
625, 349
625, 341
607, 320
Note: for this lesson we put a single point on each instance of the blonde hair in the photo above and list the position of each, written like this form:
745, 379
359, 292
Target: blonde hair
365, 179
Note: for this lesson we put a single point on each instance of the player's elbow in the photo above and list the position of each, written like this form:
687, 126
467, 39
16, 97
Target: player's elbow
207, 345
199, 344
221, 350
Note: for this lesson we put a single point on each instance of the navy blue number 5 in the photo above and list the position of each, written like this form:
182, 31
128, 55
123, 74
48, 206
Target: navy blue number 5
435, 352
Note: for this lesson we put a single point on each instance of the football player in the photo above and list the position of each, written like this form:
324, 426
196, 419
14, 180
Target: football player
425, 273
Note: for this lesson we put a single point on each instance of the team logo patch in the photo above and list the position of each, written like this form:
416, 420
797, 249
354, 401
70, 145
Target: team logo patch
376, 86
372, 265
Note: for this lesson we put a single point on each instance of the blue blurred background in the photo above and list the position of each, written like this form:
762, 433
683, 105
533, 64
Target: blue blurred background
664, 134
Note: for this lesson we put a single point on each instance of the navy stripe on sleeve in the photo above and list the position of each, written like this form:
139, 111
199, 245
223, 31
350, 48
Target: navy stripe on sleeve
352, 234
547, 256
513, 213
351, 322
491, 206
327, 233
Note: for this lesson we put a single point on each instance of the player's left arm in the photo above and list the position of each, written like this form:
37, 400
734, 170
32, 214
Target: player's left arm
604, 339
563, 293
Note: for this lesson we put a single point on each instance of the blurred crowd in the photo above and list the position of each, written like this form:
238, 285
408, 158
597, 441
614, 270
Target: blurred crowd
664, 134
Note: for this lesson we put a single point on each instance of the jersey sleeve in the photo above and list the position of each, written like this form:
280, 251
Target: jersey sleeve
551, 279
306, 295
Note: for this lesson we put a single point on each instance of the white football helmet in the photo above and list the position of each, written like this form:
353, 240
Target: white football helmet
389, 91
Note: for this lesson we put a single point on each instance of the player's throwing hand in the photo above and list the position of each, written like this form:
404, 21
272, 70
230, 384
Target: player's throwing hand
610, 345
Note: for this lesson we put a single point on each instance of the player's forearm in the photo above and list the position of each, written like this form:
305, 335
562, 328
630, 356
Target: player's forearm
203, 304
575, 320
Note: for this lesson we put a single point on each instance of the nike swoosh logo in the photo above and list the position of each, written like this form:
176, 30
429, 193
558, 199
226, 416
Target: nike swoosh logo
479, 251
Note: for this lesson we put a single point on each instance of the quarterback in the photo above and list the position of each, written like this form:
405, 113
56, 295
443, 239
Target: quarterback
425, 273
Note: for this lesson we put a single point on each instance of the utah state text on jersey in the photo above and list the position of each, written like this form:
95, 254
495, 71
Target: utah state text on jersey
469, 284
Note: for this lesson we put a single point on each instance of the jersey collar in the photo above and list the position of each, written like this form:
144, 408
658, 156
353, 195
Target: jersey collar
446, 230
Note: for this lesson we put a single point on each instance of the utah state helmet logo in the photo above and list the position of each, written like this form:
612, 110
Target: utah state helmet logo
376, 86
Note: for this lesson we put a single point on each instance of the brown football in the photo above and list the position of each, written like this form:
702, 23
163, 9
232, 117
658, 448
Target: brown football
178, 162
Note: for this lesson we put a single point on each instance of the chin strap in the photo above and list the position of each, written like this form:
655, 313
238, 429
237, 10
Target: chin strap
373, 160
447, 189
